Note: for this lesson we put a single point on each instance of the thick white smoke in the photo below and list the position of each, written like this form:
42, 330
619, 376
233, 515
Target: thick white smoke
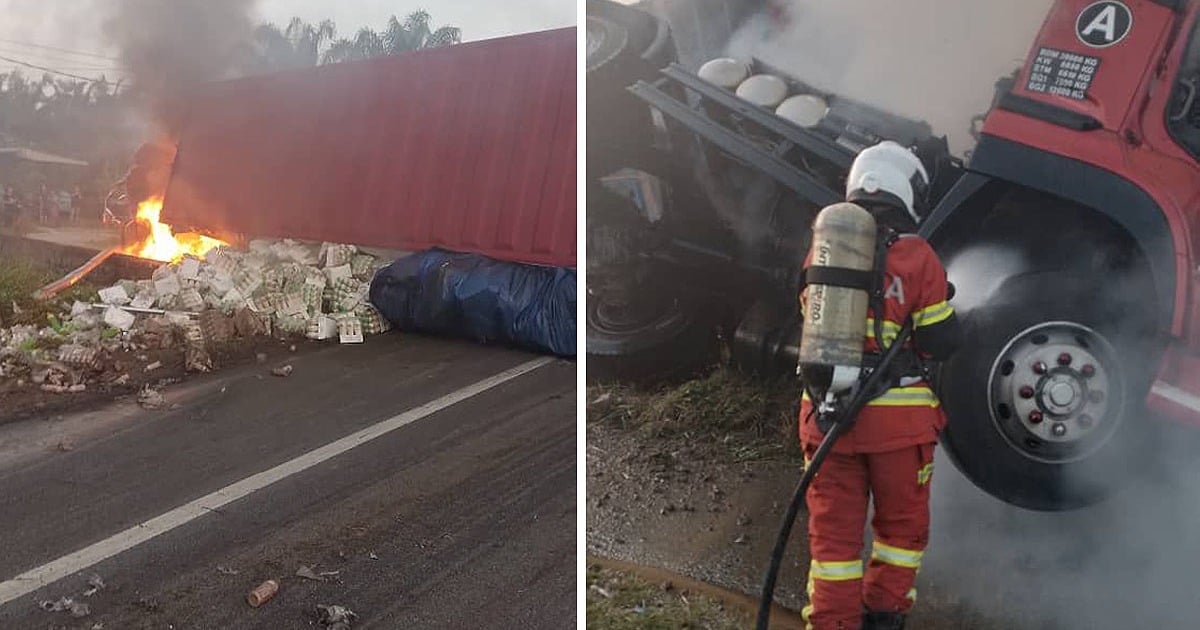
1128, 562
931, 60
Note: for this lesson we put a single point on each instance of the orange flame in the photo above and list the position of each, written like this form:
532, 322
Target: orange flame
162, 244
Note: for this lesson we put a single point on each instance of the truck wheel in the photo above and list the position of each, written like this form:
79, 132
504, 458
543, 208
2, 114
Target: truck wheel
645, 340
605, 41
624, 45
1045, 403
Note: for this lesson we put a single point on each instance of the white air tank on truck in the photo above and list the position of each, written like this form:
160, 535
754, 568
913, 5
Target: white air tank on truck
1070, 232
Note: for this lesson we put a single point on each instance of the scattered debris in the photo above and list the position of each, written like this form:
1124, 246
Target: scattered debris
372, 556
740, 540
148, 604
261, 357
262, 593
336, 617
284, 371
226, 570
284, 288
95, 584
65, 445
66, 604
150, 398
600, 591
307, 573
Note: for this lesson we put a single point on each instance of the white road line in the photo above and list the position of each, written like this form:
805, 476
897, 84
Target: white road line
74, 562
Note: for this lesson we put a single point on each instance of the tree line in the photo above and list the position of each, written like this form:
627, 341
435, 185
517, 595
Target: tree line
95, 120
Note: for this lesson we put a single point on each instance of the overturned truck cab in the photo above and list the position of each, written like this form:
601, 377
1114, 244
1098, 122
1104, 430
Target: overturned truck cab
1068, 234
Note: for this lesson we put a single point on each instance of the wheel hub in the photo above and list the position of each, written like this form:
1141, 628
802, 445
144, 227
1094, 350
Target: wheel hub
1055, 392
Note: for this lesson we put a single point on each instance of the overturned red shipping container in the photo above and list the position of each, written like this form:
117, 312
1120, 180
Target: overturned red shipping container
470, 147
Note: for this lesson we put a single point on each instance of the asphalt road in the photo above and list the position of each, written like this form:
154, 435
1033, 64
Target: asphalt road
463, 517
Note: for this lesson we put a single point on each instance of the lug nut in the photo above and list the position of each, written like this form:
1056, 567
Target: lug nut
1027, 392
1064, 359
1086, 421
1088, 370
1039, 368
1035, 417
1059, 429
1096, 396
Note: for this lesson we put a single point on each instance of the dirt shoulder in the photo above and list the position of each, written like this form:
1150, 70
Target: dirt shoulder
673, 487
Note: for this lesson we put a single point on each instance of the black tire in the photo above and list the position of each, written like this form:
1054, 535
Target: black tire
659, 343
1035, 318
624, 45
605, 40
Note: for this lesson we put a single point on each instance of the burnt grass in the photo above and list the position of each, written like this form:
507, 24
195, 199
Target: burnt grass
749, 418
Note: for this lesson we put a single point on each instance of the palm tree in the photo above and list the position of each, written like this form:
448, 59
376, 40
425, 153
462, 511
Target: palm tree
298, 45
416, 32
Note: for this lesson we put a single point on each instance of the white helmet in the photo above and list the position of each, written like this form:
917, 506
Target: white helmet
886, 169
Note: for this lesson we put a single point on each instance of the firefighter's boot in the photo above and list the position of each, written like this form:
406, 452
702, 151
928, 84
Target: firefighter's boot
883, 621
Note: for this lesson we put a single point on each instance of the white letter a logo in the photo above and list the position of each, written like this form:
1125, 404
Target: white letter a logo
1105, 22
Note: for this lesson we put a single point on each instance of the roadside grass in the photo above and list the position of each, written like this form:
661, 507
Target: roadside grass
754, 419
619, 601
19, 279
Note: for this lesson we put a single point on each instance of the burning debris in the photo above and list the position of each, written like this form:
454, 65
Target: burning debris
162, 243
208, 295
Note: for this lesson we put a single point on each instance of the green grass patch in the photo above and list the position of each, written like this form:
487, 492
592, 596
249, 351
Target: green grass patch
752, 417
618, 601
18, 281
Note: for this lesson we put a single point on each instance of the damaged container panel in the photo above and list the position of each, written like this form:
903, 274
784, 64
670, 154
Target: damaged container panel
470, 147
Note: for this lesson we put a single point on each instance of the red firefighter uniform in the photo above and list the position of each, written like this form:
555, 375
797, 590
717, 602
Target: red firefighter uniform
887, 455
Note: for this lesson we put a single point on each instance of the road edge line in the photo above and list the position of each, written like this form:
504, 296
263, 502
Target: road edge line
120, 542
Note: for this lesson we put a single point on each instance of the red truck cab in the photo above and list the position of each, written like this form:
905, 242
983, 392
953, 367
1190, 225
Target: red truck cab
1072, 241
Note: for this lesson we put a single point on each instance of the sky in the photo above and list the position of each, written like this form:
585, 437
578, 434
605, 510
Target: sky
74, 24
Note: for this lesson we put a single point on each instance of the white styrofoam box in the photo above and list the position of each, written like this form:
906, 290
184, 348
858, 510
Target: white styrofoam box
114, 295
119, 319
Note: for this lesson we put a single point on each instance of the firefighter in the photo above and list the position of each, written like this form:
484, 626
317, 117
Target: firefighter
887, 455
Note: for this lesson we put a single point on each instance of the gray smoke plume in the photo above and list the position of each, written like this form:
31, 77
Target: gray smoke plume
926, 59
170, 46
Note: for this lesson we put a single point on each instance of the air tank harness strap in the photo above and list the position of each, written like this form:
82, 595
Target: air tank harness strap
907, 363
883, 242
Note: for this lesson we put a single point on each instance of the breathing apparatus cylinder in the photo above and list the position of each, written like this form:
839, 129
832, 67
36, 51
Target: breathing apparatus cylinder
839, 283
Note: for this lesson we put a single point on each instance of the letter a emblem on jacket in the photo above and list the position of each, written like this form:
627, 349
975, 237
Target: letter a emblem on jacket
895, 290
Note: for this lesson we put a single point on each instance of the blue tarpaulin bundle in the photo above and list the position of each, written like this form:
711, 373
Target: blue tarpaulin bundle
473, 296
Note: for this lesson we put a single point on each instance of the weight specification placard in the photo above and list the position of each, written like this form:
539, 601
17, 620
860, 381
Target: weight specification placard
1062, 73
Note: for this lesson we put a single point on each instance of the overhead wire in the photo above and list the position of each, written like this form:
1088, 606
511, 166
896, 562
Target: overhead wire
34, 66
61, 50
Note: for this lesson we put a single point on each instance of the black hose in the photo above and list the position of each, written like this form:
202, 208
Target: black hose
839, 427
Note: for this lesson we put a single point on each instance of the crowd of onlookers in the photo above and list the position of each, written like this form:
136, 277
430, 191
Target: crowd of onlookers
44, 206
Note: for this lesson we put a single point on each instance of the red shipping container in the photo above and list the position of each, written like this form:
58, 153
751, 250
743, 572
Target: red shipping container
470, 147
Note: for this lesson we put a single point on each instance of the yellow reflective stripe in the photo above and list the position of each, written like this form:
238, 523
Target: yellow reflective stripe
912, 595
925, 474
836, 571
890, 329
807, 611
931, 315
895, 556
919, 396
